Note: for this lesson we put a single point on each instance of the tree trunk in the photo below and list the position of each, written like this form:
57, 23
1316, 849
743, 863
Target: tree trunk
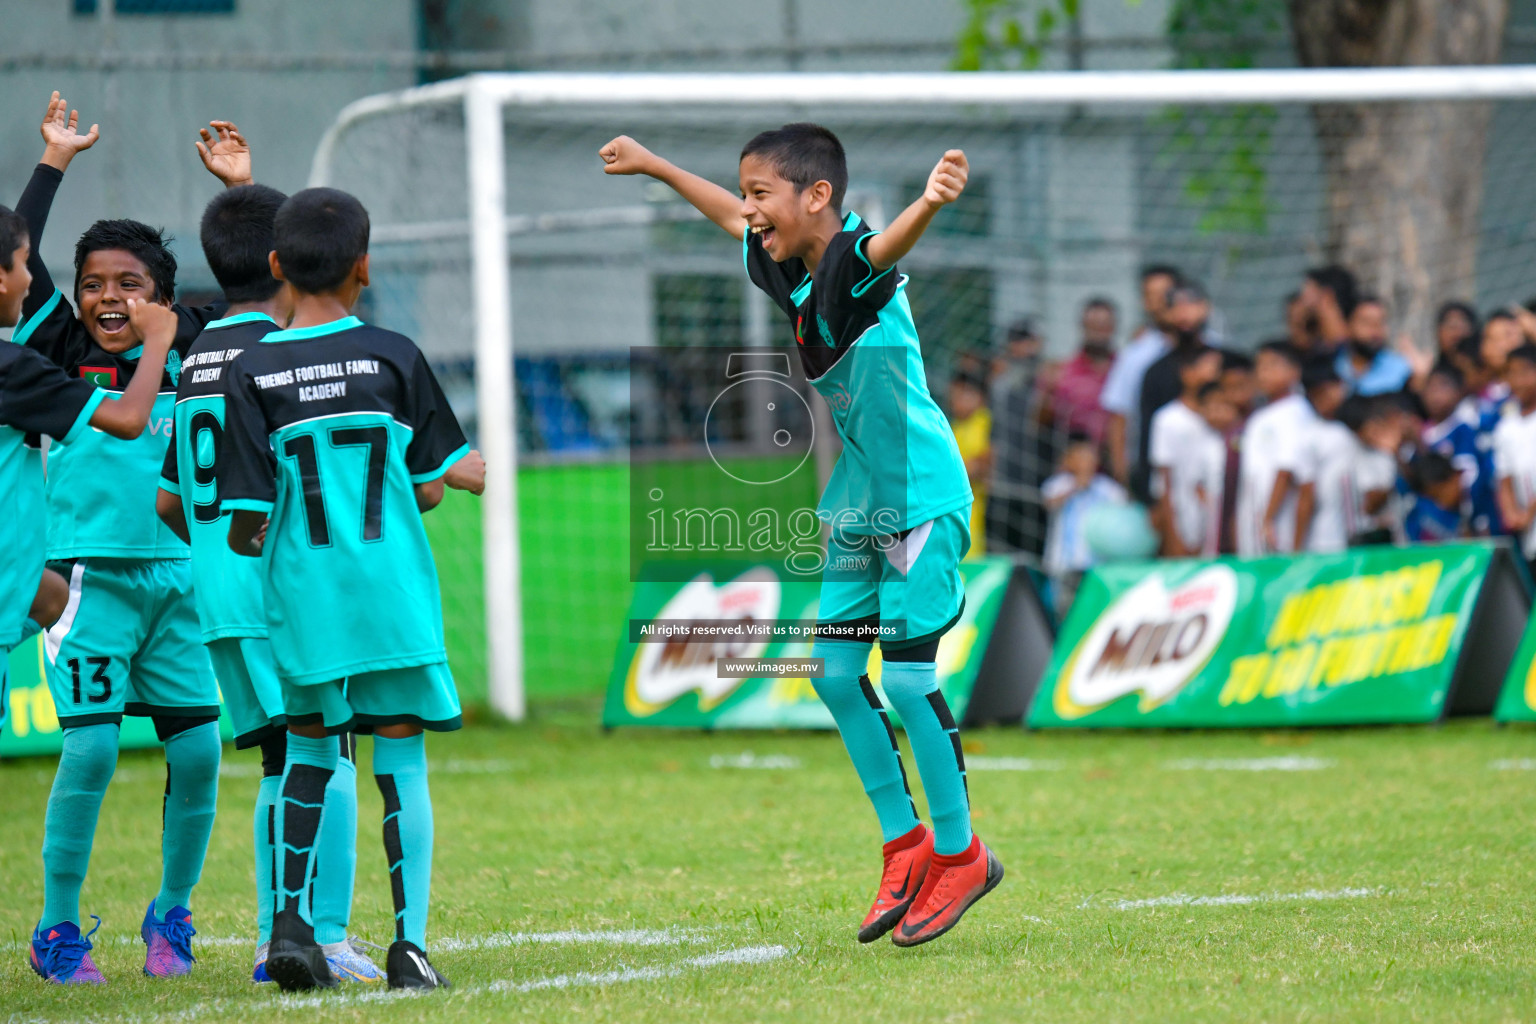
1405, 180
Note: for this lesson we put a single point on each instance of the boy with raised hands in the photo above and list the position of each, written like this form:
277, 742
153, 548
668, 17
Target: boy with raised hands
898, 499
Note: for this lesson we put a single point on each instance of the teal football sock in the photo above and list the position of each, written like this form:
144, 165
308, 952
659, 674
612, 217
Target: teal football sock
336, 854
301, 802
400, 769
264, 828
191, 795
913, 688
866, 732
85, 768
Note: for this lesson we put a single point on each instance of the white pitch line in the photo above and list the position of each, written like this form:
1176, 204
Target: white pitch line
1513, 764
583, 979
1250, 764
1237, 900
749, 760
1011, 764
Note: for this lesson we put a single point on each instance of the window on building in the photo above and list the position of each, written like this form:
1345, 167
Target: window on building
89, 7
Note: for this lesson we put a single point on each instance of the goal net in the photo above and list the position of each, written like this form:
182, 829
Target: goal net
580, 321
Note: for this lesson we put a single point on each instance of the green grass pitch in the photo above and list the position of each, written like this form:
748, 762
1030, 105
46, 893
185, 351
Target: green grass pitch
1388, 875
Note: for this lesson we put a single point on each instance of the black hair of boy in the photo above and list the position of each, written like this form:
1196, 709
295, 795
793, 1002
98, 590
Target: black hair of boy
1317, 372
237, 236
319, 236
1167, 270
1184, 358
1357, 411
970, 379
13, 232
1236, 361
1526, 353
1431, 469
1450, 374
1285, 350
803, 154
146, 244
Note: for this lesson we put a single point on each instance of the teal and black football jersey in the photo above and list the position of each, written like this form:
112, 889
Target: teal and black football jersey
900, 466
328, 430
228, 586
36, 397
101, 490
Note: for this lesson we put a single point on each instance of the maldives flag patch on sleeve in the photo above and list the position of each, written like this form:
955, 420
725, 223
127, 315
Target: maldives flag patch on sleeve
101, 376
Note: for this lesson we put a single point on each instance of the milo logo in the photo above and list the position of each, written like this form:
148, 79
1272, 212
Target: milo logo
661, 672
1150, 640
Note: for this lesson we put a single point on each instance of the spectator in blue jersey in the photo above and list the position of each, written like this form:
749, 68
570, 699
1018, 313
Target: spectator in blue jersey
1452, 431
1437, 508
1365, 364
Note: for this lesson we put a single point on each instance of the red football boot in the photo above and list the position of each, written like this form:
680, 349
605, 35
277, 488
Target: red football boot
906, 866
953, 884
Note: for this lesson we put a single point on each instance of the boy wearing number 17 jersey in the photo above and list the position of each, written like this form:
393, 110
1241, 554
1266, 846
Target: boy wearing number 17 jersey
338, 437
236, 234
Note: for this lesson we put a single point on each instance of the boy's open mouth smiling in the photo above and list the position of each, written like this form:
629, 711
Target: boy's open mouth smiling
112, 322
766, 233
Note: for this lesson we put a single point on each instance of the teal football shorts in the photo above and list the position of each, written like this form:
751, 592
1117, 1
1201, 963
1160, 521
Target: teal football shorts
248, 682
422, 695
129, 643
911, 584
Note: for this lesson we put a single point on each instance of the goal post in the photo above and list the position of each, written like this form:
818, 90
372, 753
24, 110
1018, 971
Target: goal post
478, 134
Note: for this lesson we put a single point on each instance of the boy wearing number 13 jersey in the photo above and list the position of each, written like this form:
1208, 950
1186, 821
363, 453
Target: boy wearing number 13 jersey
338, 435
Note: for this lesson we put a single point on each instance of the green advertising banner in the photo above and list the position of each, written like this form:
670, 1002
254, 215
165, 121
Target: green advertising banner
1517, 700
31, 724
1368, 635
674, 683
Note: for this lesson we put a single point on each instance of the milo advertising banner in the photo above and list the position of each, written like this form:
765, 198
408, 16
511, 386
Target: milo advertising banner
32, 724
1368, 635
667, 671
1517, 699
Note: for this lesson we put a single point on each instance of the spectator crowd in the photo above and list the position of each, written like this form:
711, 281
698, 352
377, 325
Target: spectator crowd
1325, 437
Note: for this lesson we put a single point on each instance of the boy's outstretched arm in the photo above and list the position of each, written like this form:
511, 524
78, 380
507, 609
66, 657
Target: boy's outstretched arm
626, 156
226, 154
944, 186
126, 417
61, 141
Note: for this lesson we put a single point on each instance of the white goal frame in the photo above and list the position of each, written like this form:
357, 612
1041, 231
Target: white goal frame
484, 98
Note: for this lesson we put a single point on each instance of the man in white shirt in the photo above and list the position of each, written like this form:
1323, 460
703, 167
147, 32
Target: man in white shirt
1121, 396
1266, 497
1188, 459
1514, 450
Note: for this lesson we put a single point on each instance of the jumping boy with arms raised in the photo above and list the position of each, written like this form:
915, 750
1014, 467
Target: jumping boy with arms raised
898, 500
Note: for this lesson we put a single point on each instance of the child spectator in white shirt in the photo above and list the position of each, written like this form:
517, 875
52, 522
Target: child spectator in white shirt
1187, 459
1070, 495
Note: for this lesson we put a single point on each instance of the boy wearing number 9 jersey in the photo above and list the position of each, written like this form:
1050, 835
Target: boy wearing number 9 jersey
337, 436
236, 235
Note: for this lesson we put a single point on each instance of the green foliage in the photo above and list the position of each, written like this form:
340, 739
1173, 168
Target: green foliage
1222, 150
